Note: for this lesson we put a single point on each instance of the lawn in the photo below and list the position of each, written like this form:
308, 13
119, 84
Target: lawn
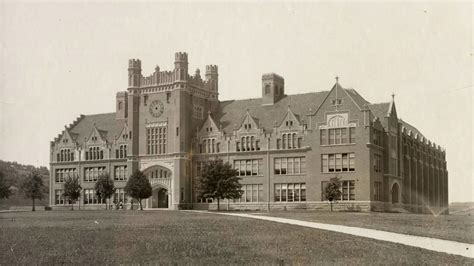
450, 227
113, 237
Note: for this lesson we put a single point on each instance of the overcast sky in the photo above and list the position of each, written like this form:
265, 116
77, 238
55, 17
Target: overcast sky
62, 60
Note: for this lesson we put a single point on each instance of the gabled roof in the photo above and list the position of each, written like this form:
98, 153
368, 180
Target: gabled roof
380, 110
107, 125
231, 112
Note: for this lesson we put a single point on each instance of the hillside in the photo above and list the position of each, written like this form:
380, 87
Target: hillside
14, 174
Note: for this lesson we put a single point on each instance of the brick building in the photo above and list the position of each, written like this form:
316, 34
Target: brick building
285, 147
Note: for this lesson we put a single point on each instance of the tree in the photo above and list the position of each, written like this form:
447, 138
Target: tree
104, 188
72, 189
4, 187
138, 187
33, 187
219, 181
333, 190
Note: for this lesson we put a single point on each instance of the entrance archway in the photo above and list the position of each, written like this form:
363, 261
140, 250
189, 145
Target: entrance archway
395, 192
160, 178
159, 198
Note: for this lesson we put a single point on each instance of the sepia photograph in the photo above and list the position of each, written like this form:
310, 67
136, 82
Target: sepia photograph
242, 133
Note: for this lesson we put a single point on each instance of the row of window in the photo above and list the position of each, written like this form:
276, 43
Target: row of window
159, 173
89, 197
290, 192
289, 141
92, 173
156, 140
249, 167
290, 165
247, 143
65, 155
121, 152
347, 190
94, 153
336, 136
252, 193
62, 174
120, 173
338, 162
209, 146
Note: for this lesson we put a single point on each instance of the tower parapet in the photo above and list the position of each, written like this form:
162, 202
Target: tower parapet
273, 88
181, 66
134, 72
212, 78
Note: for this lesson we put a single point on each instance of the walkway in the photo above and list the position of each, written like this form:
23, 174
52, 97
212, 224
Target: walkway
439, 245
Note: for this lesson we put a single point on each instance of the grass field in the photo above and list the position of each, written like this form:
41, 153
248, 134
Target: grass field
112, 237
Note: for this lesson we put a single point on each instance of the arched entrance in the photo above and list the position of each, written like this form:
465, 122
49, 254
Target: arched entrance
395, 193
159, 198
160, 179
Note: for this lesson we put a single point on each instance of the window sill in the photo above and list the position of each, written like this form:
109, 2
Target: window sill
332, 145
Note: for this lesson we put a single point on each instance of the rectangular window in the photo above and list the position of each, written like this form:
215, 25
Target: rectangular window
120, 196
120, 173
324, 163
90, 197
323, 137
156, 140
251, 167
59, 197
348, 190
338, 162
338, 136
377, 163
278, 144
290, 192
289, 166
378, 191
352, 132
92, 173
344, 139
332, 136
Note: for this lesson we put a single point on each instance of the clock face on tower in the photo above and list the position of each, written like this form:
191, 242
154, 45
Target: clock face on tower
156, 108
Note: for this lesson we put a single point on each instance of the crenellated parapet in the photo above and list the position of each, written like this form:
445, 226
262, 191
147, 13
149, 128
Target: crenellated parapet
178, 78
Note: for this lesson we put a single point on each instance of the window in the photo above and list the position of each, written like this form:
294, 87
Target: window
323, 137
198, 112
92, 173
377, 137
90, 197
338, 162
121, 152
289, 141
59, 198
378, 191
290, 166
267, 89
209, 146
337, 136
145, 100
377, 163
156, 140
247, 143
249, 167
63, 173
352, 132
252, 193
65, 155
94, 153
290, 192
120, 196
120, 173
348, 190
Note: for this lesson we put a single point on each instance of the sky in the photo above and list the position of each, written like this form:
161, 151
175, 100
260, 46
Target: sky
60, 60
